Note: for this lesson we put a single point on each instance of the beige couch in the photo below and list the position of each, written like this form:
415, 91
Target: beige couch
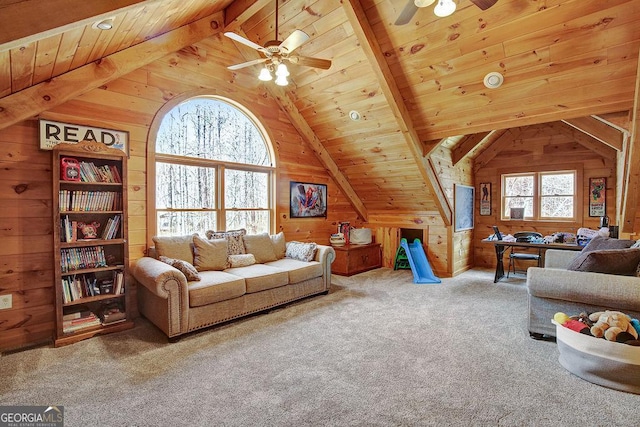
178, 306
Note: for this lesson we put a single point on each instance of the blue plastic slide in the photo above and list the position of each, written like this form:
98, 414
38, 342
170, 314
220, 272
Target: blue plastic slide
422, 272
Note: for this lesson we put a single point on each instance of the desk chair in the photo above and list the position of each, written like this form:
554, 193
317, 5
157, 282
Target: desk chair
524, 236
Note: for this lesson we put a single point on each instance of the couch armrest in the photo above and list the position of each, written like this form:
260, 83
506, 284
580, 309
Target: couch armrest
166, 283
607, 290
558, 258
325, 256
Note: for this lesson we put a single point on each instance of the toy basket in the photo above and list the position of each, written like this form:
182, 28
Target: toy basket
602, 362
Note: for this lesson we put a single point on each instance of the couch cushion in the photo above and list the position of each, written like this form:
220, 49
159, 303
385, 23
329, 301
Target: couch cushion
184, 267
234, 239
298, 270
259, 277
622, 262
215, 286
279, 244
241, 260
210, 254
601, 242
178, 247
301, 251
260, 246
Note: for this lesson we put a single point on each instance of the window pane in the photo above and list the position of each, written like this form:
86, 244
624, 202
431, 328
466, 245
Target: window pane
519, 185
557, 207
245, 189
518, 202
181, 223
253, 221
209, 128
184, 187
557, 184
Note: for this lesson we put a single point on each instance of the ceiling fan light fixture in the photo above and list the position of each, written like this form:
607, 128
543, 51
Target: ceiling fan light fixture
282, 70
265, 75
281, 80
423, 3
444, 8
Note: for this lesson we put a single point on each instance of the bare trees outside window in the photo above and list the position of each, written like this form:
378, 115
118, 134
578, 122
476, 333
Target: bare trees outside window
213, 170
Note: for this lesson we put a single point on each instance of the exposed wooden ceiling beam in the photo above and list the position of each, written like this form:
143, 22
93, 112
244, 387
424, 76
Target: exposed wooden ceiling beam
588, 141
46, 95
619, 120
464, 147
632, 172
240, 10
308, 135
598, 130
369, 43
25, 21
501, 140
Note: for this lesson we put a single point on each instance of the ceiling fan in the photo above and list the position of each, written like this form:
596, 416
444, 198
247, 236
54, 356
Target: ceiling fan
443, 8
277, 53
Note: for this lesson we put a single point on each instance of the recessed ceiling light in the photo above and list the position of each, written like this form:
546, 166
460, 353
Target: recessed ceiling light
354, 115
493, 80
105, 24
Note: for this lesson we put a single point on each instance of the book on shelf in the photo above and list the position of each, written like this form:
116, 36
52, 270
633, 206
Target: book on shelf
86, 321
111, 312
89, 172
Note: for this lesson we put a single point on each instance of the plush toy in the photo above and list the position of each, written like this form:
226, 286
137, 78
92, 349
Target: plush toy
89, 231
610, 324
636, 325
579, 323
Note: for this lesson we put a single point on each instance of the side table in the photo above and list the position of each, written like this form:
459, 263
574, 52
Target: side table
354, 259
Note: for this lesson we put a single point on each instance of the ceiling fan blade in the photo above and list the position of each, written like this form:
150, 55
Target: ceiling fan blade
242, 40
294, 41
307, 61
484, 4
407, 13
247, 64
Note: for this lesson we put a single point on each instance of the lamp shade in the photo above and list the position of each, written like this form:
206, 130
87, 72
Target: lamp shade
444, 8
282, 70
265, 75
281, 80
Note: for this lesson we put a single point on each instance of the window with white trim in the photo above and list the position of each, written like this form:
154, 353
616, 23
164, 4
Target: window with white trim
543, 195
213, 170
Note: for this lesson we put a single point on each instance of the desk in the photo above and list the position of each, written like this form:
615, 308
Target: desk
501, 246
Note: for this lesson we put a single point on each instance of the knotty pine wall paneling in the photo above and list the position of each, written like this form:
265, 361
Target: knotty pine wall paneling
130, 104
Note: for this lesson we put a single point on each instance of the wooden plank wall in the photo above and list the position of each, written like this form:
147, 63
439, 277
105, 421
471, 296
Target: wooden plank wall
537, 148
130, 104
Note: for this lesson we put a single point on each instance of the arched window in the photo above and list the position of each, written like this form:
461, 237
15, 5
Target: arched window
213, 170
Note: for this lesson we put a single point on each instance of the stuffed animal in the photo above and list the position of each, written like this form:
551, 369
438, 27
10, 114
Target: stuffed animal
579, 323
610, 324
89, 231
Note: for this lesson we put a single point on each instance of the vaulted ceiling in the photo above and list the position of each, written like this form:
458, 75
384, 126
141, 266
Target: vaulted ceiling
416, 86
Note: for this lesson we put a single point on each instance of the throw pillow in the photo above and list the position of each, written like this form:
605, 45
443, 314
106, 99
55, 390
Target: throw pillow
234, 239
279, 245
241, 260
622, 262
260, 246
301, 251
177, 247
184, 267
600, 242
210, 254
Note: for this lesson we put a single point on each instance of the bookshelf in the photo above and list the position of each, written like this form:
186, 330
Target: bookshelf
91, 253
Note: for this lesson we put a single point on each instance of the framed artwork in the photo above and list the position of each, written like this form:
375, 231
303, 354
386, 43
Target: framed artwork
307, 200
485, 198
463, 207
597, 196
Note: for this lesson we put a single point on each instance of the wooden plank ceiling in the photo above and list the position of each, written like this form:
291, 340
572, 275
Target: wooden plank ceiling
414, 85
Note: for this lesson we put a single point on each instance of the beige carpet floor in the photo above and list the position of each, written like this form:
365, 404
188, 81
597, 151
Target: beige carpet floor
377, 351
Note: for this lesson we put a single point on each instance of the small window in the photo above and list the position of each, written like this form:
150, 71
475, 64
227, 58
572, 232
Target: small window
543, 195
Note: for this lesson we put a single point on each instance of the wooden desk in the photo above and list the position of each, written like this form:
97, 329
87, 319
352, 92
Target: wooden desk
353, 259
501, 246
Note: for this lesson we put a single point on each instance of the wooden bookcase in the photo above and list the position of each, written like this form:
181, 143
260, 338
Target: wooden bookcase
90, 272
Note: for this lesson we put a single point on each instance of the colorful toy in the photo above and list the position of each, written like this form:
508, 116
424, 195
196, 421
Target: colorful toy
610, 324
575, 323
89, 231
636, 325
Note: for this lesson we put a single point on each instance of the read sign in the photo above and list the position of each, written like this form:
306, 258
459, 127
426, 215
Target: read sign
54, 133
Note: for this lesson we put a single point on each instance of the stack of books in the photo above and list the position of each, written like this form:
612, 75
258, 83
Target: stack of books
79, 320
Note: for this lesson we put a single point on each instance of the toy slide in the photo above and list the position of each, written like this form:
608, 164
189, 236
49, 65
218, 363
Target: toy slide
422, 273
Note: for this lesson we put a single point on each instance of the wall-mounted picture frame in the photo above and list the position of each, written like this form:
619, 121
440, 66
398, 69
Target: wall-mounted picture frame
53, 133
463, 196
307, 200
485, 198
516, 213
597, 196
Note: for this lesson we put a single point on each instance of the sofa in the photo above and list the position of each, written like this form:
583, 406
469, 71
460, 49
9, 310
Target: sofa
191, 282
603, 276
